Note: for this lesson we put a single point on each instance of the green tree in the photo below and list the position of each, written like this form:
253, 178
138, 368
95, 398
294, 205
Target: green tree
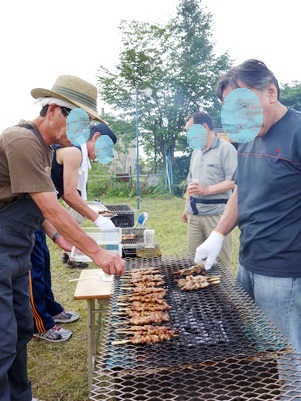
177, 61
125, 132
290, 95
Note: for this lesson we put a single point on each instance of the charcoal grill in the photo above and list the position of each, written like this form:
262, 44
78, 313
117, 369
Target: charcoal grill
131, 237
226, 348
124, 215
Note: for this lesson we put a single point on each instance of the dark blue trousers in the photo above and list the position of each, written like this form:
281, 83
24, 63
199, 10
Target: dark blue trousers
42, 301
18, 221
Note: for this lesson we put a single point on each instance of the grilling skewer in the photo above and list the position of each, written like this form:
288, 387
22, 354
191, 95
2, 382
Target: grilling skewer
196, 282
199, 277
145, 327
133, 301
143, 278
142, 290
147, 318
156, 296
148, 307
154, 330
193, 269
130, 301
139, 338
140, 272
146, 284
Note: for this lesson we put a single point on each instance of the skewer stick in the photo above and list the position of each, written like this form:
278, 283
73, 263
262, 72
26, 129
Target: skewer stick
133, 331
128, 288
120, 342
141, 272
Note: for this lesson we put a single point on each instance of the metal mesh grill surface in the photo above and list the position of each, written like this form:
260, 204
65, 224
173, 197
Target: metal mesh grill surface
226, 348
121, 208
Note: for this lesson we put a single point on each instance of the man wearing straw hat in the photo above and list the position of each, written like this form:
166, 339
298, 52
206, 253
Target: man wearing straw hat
69, 173
28, 201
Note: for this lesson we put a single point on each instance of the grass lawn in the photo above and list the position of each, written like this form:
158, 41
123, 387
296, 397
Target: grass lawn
59, 371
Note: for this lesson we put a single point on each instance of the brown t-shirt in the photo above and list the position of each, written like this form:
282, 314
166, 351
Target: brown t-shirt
25, 163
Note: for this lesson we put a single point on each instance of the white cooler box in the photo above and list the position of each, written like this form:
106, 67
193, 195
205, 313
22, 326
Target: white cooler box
110, 240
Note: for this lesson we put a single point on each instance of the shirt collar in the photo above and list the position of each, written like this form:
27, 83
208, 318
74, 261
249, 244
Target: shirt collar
215, 142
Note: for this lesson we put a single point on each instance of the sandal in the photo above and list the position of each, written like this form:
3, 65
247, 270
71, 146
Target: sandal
74, 264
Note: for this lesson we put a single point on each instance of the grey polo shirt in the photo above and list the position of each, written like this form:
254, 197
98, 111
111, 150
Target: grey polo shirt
212, 166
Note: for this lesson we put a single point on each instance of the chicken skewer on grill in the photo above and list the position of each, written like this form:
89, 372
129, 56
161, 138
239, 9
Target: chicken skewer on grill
196, 282
141, 272
156, 296
143, 289
150, 317
190, 270
146, 284
143, 278
148, 306
146, 338
144, 328
148, 270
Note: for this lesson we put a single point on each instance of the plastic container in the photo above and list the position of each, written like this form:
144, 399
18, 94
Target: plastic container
110, 240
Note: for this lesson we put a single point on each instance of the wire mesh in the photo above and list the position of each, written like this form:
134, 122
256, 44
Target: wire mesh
226, 349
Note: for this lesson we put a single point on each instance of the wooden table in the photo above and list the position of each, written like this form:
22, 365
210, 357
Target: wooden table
90, 289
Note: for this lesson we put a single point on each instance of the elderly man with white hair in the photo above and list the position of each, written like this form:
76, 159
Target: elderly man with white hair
28, 201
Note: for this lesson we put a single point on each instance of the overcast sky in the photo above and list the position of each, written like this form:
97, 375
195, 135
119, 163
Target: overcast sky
42, 40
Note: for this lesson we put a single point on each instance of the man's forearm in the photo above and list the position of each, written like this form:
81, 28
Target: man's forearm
229, 219
220, 188
78, 204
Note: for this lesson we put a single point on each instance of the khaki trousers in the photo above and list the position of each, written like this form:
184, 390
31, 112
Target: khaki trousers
199, 229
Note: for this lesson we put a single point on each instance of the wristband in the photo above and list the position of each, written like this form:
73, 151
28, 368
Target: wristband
55, 236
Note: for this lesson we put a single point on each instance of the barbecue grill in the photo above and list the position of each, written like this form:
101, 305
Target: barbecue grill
124, 215
131, 237
226, 348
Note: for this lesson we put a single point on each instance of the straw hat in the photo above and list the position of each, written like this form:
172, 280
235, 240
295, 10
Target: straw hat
74, 90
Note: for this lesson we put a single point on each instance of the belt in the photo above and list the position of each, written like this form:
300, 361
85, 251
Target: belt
193, 202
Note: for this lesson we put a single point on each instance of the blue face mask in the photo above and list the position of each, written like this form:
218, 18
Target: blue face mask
78, 126
104, 149
242, 115
197, 137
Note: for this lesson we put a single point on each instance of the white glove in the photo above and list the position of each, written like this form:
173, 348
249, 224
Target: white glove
104, 223
209, 249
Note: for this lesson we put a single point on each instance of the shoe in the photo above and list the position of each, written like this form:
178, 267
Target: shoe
65, 257
54, 335
66, 317
74, 264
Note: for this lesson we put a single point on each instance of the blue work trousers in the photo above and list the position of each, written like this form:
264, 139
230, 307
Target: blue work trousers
43, 304
18, 221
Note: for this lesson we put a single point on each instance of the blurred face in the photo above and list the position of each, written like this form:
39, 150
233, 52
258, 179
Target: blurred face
196, 135
91, 146
256, 117
100, 147
77, 126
